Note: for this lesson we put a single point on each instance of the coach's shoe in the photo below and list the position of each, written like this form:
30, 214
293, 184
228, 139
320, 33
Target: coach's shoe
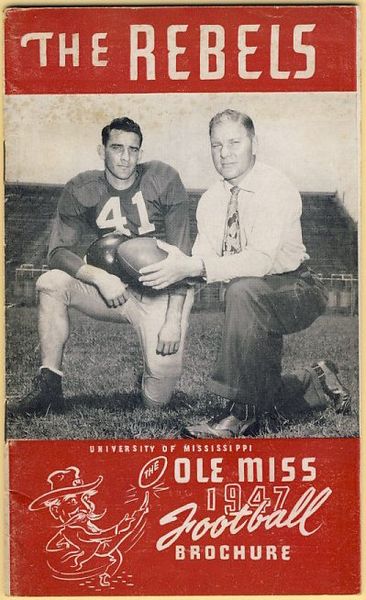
45, 396
313, 394
228, 427
327, 373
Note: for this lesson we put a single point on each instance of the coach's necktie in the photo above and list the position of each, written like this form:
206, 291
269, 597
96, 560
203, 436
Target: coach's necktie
232, 239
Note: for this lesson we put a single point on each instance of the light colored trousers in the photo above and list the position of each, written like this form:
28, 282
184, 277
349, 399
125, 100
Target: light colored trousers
146, 313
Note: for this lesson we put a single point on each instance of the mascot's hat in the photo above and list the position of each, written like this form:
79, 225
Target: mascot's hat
62, 483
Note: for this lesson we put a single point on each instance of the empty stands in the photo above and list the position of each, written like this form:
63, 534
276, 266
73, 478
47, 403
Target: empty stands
330, 236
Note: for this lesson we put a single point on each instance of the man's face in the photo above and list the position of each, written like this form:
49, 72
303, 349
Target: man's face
232, 150
121, 154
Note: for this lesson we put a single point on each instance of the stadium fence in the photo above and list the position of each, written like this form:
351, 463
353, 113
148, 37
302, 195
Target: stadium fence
342, 288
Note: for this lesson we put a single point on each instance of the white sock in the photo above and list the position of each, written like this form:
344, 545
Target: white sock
52, 369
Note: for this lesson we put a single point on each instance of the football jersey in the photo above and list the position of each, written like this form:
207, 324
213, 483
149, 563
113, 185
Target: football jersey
155, 205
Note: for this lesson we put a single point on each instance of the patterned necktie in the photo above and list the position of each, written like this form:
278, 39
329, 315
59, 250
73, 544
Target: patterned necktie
232, 239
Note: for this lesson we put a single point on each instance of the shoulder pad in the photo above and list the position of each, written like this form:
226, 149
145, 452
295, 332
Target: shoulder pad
86, 178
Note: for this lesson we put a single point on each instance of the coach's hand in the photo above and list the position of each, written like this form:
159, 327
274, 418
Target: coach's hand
113, 290
175, 267
169, 337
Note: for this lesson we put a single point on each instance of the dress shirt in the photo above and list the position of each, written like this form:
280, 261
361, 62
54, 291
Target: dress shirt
269, 216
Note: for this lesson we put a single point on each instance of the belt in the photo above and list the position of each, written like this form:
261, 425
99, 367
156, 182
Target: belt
308, 275
303, 269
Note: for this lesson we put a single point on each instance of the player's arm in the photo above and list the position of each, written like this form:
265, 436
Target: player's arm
177, 231
66, 233
112, 289
170, 334
179, 264
177, 220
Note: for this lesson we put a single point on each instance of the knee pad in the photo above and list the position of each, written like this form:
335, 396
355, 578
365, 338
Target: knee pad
54, 283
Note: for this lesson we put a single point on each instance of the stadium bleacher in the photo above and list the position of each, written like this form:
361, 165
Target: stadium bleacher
330, 236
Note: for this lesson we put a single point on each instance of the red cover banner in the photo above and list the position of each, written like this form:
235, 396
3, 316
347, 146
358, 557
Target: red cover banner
180, 49
139, 517
135, 517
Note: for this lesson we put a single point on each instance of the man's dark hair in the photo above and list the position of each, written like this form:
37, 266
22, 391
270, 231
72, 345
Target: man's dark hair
233, 115
123, 124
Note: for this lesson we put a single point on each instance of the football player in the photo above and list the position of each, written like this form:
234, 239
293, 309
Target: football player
133, 199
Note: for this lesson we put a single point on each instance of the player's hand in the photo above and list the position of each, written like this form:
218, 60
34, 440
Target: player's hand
175, 267
169, 338
113, 290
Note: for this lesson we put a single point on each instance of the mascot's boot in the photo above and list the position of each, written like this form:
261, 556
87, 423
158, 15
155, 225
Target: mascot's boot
45, 396
327, 373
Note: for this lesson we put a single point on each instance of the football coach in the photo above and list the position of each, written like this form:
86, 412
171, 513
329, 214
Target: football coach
249, 236
133, 199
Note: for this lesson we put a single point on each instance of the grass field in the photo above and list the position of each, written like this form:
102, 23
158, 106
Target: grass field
102, 364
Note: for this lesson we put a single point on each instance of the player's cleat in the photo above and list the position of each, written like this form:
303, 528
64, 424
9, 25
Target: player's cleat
44, 397
229, 427
327, 373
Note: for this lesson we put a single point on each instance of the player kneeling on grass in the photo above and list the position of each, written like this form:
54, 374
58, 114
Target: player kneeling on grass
132, 199
249, 236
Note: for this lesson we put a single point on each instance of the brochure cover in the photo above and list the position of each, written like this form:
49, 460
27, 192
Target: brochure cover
182, 193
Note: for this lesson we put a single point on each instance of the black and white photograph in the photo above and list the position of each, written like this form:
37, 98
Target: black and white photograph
182, 265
